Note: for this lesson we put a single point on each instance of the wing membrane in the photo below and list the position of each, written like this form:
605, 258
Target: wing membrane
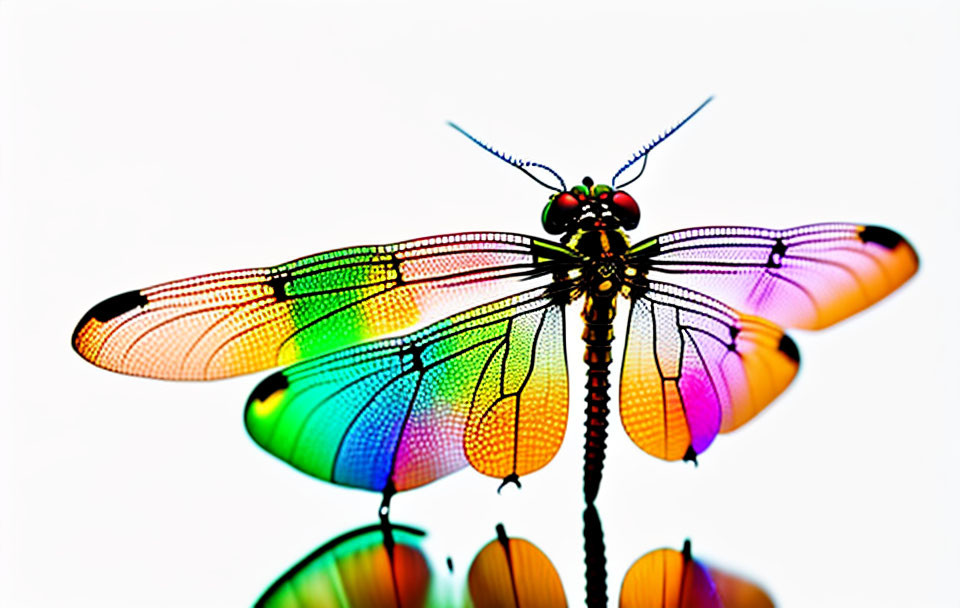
487, 387
232, 323
693, 367
668, 578
807, 277
380, 565
513, 572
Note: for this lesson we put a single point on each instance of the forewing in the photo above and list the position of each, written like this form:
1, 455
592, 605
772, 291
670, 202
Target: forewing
487, 387
232, 323
694, 367
807, 277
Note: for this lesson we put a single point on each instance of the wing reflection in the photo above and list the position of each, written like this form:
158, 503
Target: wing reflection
666, 577
383, 565
512, 572
379, 565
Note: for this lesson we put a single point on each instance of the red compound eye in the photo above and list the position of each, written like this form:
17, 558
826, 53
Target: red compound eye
626, 210
566, 201
559, 212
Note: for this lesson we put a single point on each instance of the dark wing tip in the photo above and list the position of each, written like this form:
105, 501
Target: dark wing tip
881, 236
691, 456
274, 383
111, 308
258, 413
789, 348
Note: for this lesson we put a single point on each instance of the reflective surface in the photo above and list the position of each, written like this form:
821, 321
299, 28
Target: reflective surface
385, 565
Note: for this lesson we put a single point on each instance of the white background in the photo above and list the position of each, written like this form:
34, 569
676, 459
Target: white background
147, 141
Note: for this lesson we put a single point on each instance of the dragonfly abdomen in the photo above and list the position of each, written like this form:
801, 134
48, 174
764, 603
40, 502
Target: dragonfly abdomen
598, 313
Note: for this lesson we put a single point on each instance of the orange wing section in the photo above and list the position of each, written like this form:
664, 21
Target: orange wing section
736, 592
512, 572
694, 367
668, 578
518, 414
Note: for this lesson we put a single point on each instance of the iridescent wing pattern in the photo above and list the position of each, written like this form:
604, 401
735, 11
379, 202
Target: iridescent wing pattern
413, 360
808, 277
487, 387
695, 365
231, 323
379, 565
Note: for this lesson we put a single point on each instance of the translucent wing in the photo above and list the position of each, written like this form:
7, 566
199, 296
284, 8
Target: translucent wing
694, 367
487, 387
380, 565
737, 592
512, 572
808, 277
673, 578
668, 578
232, 323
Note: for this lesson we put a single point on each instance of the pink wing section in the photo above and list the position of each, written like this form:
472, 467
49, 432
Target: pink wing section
808, 277
231, 323
694, 367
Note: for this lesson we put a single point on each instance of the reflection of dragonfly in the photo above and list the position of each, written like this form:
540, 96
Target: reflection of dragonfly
385, 565
378, 565
488, 386
666, 577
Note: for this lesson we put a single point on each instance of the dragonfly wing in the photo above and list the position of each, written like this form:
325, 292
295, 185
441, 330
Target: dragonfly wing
807, 277
694, 367
665, 577
514, 572
487, 387
379, 565
232, 323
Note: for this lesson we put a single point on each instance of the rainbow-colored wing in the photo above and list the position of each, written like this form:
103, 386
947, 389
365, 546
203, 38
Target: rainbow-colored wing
694, 367
512, 572
379, 565
232, 323
673, 578
487, 387
807, 277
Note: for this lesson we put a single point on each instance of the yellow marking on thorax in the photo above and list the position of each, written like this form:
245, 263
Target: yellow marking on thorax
604, 241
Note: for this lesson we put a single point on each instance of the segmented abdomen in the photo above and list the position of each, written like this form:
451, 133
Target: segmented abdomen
598, 316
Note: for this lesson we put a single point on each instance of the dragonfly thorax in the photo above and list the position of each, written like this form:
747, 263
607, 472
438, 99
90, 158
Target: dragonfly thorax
590, 207
604, 268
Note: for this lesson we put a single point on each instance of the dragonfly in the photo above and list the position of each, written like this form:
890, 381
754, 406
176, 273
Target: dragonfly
409, 361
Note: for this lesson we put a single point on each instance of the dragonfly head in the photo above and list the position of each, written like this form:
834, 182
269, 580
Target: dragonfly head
590, 207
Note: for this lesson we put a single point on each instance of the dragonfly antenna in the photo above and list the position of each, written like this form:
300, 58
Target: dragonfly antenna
642, 152
516, 162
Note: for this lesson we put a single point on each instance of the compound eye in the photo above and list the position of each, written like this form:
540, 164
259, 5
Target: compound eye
567, 201
626, 210
560, 211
